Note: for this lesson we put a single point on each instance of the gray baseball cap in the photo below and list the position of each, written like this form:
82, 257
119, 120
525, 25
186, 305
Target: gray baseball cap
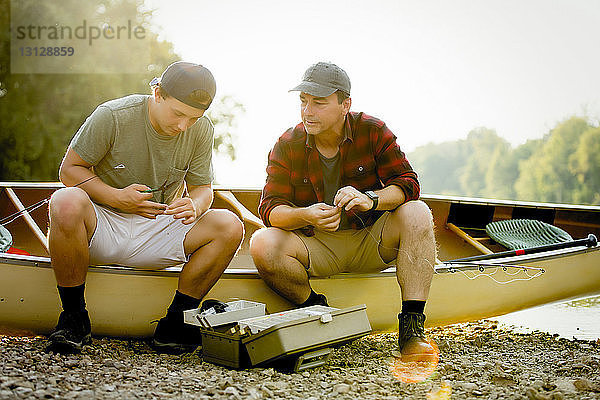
323, 79
189, 83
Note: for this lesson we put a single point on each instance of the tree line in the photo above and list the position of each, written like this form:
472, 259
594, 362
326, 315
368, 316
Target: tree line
40, 113
561, 167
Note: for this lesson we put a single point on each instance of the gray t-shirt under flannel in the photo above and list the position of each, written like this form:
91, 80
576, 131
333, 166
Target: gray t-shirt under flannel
119, 132
331, 184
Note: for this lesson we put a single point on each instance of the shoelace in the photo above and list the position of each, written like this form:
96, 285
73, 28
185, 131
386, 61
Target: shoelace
412, 326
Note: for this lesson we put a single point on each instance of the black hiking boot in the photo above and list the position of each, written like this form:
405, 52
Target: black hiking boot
321, 301
72, 331
315, 299
174, 336
414, 346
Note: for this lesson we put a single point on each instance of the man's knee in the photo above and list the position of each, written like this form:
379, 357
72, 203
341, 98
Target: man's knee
264, 244
228, 226
260, 242
69, 207
413, 216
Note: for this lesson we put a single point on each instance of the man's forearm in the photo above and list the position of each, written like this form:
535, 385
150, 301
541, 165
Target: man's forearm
288, 218
98, 191
202, 196
390, 197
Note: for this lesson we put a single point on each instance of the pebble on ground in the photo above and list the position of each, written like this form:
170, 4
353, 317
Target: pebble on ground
477, 361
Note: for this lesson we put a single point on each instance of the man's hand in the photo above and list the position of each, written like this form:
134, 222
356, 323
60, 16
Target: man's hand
323, 216
183, 208
350, 198
132, 200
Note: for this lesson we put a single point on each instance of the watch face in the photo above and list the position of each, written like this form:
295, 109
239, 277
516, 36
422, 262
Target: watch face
374, 198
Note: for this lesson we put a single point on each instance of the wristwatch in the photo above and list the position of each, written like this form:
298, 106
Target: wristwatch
373, 196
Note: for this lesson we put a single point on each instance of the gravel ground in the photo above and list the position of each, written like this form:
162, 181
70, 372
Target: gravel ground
477, 361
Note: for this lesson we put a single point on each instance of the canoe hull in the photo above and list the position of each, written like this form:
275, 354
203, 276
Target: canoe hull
124, 302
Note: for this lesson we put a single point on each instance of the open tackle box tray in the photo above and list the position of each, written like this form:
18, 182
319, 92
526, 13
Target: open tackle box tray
235, 311
304, 334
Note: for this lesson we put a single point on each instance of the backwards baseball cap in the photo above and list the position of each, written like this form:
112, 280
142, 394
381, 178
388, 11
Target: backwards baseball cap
323, 79
189, 83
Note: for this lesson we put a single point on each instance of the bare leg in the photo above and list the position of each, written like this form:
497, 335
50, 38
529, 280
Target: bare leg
280, 257
72, 224
213, 242
410, 229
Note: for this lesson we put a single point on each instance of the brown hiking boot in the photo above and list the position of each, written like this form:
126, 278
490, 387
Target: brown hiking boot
414, 346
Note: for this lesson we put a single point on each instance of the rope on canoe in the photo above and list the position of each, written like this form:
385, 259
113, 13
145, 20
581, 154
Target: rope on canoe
527, 276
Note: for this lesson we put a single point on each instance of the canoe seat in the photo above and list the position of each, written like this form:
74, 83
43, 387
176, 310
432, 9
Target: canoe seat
525, 233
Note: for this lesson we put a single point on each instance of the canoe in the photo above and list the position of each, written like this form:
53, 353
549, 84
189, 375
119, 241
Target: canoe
123, 301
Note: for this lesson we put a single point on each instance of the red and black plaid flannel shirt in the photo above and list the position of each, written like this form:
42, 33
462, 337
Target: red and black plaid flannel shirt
371, 159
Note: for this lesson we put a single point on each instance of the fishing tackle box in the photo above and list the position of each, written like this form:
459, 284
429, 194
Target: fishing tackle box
220, 345
302, 335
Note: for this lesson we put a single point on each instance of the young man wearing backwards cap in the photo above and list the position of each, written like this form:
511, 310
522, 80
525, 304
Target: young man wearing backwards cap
147, 166
340, 196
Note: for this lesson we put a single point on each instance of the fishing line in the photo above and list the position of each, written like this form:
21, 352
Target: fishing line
40, 203
504, 267
33, 207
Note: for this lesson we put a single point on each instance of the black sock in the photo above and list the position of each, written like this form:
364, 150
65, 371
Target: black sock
72, 297
182, 302
413, 306
314, 299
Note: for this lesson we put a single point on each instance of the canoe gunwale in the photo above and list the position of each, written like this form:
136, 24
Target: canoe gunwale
44, 262
235, 273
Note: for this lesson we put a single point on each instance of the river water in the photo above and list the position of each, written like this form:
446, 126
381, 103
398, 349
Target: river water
579, 319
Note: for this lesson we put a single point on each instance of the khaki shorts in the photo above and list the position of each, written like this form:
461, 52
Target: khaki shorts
349, 250
136, 241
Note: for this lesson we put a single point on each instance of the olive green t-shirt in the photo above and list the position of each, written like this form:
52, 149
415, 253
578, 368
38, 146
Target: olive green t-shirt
119, 132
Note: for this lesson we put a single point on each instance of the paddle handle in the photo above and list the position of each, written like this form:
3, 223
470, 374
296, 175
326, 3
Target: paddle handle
590, 241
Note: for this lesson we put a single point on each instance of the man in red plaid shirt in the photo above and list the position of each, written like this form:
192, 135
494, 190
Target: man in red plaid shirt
340, 196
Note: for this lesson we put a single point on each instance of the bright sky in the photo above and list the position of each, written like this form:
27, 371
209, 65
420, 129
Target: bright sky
431, 69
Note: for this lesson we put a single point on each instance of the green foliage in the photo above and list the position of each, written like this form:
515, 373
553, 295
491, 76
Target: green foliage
482, 146
562, 167
545, 176
40, 113
223, 113
584, 164
439, 166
